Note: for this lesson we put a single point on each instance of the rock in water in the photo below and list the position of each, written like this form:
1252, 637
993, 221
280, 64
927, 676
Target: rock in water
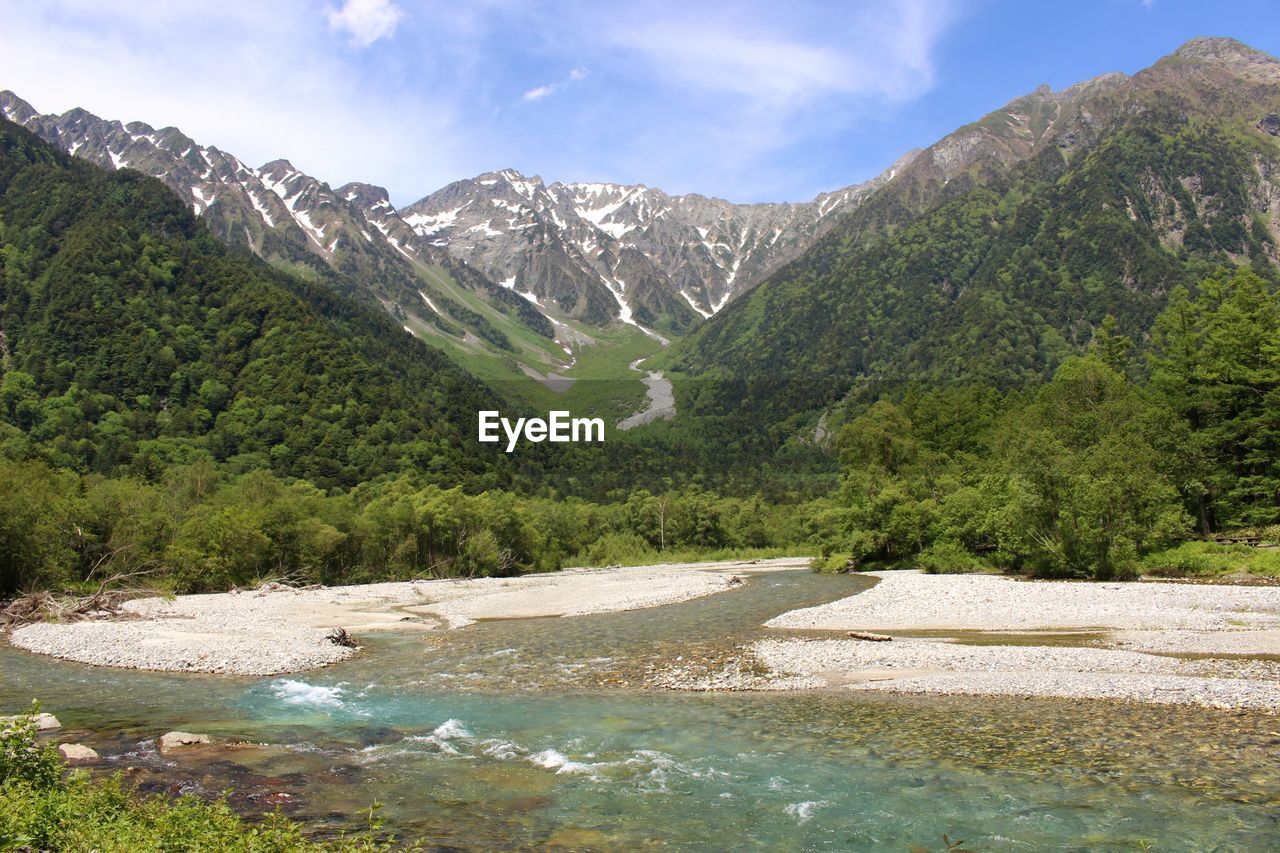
177, 740
44, 722
77, 753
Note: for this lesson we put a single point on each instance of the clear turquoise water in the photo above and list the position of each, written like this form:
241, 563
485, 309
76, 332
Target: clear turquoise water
521, 734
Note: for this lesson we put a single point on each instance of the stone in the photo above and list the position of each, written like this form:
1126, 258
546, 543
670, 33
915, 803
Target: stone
177, 740
77, 753
44, 722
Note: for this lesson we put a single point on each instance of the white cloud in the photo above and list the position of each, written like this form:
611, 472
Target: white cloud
719, 96
745, 87
539, 92
365, 21
259, 80
873, 50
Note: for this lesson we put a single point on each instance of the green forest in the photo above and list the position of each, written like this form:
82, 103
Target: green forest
176, 410
1004, 278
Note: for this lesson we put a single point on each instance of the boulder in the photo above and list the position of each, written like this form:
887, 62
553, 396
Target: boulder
77, 753
177, 740
44, 722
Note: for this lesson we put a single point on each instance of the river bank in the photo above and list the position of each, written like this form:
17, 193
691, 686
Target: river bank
283, 630
531, 729
1215, 646
1196, 644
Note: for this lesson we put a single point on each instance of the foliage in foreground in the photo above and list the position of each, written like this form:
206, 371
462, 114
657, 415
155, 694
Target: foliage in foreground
43, 808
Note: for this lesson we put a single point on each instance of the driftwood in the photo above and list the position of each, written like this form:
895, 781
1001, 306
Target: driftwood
294, 583
68, 606
870, 638
340, 637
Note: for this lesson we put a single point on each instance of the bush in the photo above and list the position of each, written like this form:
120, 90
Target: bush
837, 562
949, 558
1209, 559
620, 548
23, 759
42, 810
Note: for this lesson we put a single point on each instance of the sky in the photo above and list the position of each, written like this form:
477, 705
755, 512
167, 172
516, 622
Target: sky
754, 100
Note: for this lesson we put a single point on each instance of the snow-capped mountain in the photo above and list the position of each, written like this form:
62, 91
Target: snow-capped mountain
598, 250
592, 252
291, 218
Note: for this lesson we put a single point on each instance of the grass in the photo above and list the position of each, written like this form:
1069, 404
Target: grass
1211, 559
605, 385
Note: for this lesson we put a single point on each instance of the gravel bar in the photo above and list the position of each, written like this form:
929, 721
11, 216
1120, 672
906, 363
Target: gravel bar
1230, 634
281, 630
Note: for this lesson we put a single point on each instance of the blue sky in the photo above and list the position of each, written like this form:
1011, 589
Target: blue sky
748, 100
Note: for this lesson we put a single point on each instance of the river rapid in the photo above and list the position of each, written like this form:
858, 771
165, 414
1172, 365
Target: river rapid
541, 733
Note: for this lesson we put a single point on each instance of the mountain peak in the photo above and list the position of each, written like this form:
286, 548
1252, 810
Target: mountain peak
365, 195
277, 167
1219, 56
514, 177
1222, 51
14, 108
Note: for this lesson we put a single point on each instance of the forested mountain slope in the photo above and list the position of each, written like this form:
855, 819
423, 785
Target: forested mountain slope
131, 340
1066, 208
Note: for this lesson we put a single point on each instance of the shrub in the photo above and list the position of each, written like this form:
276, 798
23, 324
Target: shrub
1206, 559
946, 558
42, 810
22, 758
837, 562
620, 548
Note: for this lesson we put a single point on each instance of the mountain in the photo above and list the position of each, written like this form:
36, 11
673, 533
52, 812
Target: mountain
586, 253
599, 250
133, 340
998, 251
351, 236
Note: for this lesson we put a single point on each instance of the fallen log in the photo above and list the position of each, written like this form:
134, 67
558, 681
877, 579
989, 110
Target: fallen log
870, 638
340, 637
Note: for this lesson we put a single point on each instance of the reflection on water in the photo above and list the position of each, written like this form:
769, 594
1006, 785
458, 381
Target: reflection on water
511, 734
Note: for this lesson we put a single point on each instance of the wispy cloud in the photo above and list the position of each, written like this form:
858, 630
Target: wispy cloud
744, 85
260, 80
539, 92
720, 96
365, 21
872, 50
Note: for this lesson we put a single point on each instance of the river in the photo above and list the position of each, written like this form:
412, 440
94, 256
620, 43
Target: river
535, 733
660, 399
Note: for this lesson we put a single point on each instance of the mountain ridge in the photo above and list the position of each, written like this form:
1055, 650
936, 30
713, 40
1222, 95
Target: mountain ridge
1095, 200
615, 261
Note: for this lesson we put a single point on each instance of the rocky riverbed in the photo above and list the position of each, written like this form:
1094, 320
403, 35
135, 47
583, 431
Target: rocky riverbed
279, 629
1100, 641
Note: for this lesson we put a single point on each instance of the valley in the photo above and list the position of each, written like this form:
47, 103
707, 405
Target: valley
514, 279
942, 507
